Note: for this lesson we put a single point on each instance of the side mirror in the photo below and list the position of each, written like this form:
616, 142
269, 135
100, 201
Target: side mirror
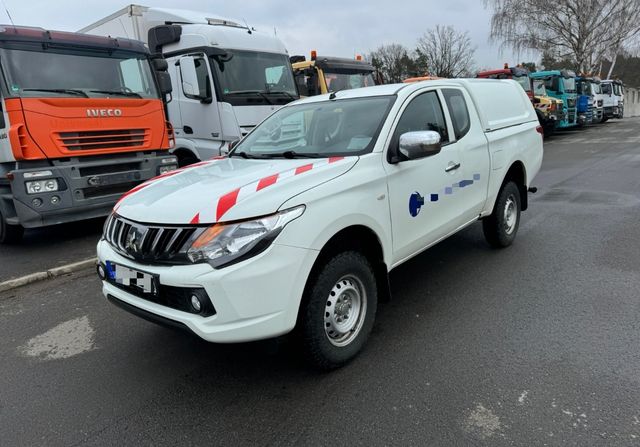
233, 144
160, 64
164, 82
420, 144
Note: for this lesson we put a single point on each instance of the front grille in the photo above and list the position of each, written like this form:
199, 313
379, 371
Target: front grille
92, 192
571, 102
599, 103
103, 139
150, 243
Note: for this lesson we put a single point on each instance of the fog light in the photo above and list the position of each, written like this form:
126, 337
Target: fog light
55, 200
101, 273
165, 169
195, 303
37, 203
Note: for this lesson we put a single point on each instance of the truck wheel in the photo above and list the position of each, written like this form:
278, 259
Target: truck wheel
339, 310
186, 158
501, 226
10, 234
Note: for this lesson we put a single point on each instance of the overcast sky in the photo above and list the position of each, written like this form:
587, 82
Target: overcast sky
332, 27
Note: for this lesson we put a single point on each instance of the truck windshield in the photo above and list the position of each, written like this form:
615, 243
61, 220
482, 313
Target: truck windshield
524, 82
77, 73
337, 81
250, 74
539, 88
569, 85
318, 129
595, 88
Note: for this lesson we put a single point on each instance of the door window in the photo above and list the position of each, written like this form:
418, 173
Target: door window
458, 110
423, 113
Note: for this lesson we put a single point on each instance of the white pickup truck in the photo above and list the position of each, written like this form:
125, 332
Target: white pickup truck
297, 229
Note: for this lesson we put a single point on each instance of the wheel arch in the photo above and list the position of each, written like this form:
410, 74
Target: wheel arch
518, 174
362, 239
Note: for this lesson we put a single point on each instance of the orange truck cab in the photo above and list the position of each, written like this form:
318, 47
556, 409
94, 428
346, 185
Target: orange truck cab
82, 121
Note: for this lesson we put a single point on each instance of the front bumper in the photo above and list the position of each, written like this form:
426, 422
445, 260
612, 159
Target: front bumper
254, 299
88, 186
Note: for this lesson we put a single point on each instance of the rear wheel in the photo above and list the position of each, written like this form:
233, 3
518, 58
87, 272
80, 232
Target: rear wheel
10, 234
501, 226
339, 310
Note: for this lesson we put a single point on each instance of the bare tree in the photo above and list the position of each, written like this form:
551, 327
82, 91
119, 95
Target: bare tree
583, 31
443, 51
393, 61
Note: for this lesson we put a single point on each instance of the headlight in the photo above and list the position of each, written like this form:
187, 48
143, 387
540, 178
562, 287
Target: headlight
42, 186
225, 244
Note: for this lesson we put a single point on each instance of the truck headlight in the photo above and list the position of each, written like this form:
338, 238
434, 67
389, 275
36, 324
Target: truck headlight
224, 244
39, 186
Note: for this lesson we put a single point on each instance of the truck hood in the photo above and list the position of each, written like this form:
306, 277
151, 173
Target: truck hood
226, 189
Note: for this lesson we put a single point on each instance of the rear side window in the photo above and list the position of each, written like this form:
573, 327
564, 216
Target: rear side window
458, 110
423, 113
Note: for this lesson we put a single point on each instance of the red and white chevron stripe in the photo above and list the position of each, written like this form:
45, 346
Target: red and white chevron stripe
229, 200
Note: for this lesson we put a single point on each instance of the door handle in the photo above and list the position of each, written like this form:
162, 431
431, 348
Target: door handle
452, 167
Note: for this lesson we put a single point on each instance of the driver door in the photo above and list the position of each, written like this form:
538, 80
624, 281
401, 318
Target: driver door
422, 202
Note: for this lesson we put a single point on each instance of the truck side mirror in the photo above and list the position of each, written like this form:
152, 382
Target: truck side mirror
419, 144
164, 82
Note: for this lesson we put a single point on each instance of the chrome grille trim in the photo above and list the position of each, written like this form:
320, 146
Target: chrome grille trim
150, 243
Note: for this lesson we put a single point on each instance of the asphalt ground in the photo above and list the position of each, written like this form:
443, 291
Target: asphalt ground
536, 344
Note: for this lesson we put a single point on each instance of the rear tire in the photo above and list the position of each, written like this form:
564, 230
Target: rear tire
501, 226
339, 310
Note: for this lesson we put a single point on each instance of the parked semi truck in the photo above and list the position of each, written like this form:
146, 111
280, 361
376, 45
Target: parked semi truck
82, 122
321, 75
613, 93
226, 76
561, 84
586, 100
548, 109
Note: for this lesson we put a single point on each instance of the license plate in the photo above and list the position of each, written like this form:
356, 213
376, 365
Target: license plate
131, 278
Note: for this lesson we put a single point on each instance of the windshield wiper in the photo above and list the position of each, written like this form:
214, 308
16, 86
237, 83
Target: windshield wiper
69, 91
243, 154
293, 154
282, 92
117, 92
251, 92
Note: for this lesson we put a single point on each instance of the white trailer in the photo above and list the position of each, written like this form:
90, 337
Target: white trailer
227, 77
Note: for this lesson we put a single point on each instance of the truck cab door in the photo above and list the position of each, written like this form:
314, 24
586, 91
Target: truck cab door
195, 96
423, 194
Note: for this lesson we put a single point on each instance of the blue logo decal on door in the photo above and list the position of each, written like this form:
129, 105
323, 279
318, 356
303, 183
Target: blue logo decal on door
416, 201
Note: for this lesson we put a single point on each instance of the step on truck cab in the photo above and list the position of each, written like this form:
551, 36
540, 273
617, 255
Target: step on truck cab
82, 122
561, 84
226, 76
321, 75
548, 109
613, 93
301, 233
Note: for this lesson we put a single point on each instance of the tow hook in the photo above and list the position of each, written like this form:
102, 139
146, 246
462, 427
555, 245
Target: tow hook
533, 189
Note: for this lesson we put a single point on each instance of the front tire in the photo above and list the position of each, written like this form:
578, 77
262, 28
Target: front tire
339, 310
501, 226
10, 234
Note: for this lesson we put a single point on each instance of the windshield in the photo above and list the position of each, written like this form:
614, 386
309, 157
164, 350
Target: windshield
606, 89
319, 129
337, 81
77, 73
584, 88
617, 90
595, 88
524, 82
250, 77
538, 88
569, 85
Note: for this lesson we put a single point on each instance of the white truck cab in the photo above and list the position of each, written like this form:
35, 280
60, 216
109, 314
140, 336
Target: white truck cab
613, 93
226, 76
298, 230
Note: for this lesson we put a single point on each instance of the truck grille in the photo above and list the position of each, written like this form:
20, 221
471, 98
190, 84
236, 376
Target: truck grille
103, 139
571, 102
151, 243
